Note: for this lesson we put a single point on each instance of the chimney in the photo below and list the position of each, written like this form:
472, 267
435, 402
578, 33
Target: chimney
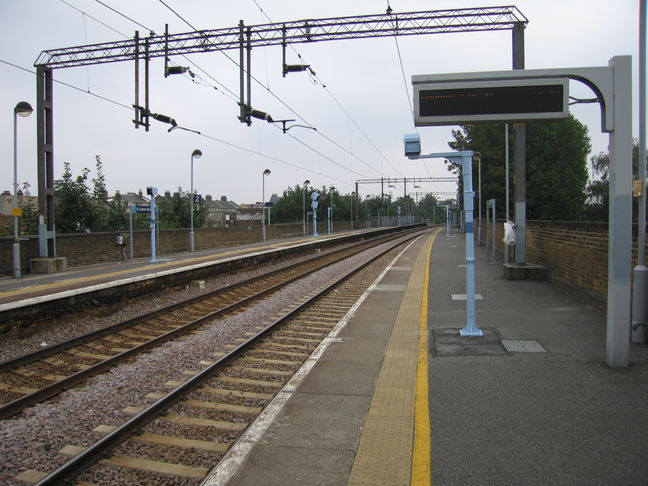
224, 198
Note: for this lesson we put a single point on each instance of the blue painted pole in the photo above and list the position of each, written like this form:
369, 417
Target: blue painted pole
465, 159
471, 328
153, 223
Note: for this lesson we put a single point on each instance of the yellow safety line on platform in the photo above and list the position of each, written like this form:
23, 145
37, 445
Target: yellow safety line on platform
422, 455
159, 265
385, 454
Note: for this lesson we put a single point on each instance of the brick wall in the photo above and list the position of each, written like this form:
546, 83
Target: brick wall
91, 248
574, 252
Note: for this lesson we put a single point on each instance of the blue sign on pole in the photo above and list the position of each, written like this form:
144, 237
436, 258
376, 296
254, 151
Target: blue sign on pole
142, 209
269, 204
197, 198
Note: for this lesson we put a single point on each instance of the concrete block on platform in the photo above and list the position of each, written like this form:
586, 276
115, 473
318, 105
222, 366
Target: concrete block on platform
48, 264
525, 271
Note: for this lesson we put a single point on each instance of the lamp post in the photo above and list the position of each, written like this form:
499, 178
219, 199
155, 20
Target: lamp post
23, 109
306, 182
415, 201
330, 213
196, 154
367, 211
477, 156
265, 173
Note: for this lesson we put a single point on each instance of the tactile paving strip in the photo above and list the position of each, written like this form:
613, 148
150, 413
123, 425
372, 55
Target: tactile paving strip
384, 455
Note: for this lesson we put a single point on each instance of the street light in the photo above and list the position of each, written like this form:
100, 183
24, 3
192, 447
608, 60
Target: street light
477, 156
306, 182
196, 154
367, 211
23, 109
265, 173
330, 213
389, 204
416, 200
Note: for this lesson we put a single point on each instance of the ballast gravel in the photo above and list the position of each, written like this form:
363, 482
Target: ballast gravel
33, 439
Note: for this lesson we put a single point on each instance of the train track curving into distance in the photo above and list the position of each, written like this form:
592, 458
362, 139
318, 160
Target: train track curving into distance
36, 377
184, 432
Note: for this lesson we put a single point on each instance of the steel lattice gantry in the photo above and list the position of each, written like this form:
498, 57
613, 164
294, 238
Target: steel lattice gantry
300, 31
403, 180
244, 38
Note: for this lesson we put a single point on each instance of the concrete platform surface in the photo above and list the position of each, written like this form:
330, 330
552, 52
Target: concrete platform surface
531, 403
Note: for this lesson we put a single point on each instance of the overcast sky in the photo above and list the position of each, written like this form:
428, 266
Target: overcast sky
360, 116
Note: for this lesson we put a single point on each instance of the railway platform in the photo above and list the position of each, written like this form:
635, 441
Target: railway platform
396, 397
33, 297
393, 396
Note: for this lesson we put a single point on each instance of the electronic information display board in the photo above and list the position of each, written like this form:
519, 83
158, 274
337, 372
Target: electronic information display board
499, 101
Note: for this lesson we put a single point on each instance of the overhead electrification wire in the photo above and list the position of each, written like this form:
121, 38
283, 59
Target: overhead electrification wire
317, 79
230, 91
225, 88
407, 94
267, 88
123, 15
70, 86
93, 18
178, 15
129, 108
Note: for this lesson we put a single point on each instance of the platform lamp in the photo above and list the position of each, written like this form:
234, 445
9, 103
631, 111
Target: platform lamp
265, 173
196, 154
306, 182
415, 202
477, 156
23, 109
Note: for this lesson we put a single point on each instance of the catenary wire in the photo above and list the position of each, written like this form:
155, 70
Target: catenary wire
210, 137
337, 102
267, 88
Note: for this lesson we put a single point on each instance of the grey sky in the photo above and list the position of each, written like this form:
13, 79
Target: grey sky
364, 76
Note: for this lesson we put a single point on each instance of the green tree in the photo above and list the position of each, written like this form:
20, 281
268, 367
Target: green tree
75, 210
288, 209
556, 166
597, 206
428, 208
175, 211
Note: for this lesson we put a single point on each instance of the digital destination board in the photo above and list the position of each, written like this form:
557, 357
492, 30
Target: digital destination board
466, 102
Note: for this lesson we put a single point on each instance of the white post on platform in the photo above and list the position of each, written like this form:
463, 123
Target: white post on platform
265, 173
23, 109
196, 154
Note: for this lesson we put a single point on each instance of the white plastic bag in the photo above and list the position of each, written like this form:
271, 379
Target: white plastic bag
509, 233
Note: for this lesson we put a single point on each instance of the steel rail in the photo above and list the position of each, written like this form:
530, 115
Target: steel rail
16, 406
93, 453
55, 348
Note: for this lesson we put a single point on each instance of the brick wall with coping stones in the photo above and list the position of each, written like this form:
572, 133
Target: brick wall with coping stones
574, 252
91, 248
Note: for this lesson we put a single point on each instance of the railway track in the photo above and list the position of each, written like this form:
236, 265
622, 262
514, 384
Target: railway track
178, 437
33, 378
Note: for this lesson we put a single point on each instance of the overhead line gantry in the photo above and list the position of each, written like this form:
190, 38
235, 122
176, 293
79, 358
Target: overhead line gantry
243, 38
